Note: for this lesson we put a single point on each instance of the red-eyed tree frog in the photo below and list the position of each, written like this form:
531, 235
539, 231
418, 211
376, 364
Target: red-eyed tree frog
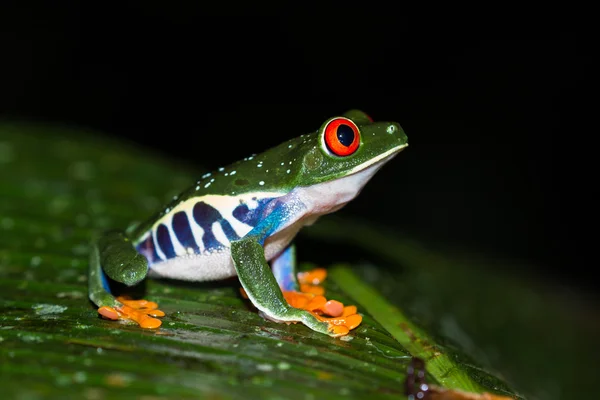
234, 221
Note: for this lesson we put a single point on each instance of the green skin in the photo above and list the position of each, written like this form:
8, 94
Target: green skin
298, 163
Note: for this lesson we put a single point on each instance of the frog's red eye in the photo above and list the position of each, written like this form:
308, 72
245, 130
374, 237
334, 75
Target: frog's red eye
342, 136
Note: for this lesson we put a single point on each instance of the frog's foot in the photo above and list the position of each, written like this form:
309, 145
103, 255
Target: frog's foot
315, 303
140, 311
310, 280
342, 325
340, 319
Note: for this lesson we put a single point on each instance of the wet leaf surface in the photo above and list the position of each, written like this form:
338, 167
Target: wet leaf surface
58, 187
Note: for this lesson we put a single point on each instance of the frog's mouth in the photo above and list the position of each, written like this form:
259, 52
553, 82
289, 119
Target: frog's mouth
325, 197
382, 158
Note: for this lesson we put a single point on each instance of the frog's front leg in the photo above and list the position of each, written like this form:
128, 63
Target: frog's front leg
113, 255
262, 288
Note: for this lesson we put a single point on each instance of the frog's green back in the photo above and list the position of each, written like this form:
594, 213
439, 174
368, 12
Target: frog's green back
298, 162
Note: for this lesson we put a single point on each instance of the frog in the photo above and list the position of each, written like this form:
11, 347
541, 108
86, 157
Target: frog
240, 220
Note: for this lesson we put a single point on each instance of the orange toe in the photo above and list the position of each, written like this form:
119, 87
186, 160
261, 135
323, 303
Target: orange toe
349, 310
316, 303
314, 289
296, 300
108, 312
352, 321
339, 330
156, 313
313, 277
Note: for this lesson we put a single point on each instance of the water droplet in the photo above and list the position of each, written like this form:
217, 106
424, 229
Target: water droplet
35, 261
264, 367
283, 365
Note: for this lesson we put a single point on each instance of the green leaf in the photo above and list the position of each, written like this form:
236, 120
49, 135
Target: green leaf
58, 187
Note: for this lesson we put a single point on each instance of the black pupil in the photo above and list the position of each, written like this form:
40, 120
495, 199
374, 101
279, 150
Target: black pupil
345, 135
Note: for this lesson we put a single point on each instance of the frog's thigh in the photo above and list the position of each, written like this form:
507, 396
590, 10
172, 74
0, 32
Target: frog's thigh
120, 260
284, 269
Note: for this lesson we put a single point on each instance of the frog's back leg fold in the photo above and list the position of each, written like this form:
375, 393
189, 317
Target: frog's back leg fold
113, 254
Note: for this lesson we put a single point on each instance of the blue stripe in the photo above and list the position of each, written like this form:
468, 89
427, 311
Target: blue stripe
251, 216
205, 216
183, 231
164, 241
147, 248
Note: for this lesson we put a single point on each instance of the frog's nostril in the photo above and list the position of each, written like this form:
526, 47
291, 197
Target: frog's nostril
391, 129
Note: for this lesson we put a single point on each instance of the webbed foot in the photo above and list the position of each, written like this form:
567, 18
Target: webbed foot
340, 319
343, 324
139, 311
325, 316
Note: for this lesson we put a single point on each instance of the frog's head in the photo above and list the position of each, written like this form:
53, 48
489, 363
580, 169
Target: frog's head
348, 145
340, 157
335, 161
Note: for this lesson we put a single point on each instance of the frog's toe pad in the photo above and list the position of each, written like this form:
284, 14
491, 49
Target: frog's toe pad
108, 313
140, 311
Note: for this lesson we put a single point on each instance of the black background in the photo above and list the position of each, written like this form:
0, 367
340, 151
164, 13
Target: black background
492, 107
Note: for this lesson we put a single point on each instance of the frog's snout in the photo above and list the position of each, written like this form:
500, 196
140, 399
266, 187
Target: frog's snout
397, 131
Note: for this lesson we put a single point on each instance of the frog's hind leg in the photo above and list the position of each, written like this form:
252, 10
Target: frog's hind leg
284, 269
260, 285
113, 255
